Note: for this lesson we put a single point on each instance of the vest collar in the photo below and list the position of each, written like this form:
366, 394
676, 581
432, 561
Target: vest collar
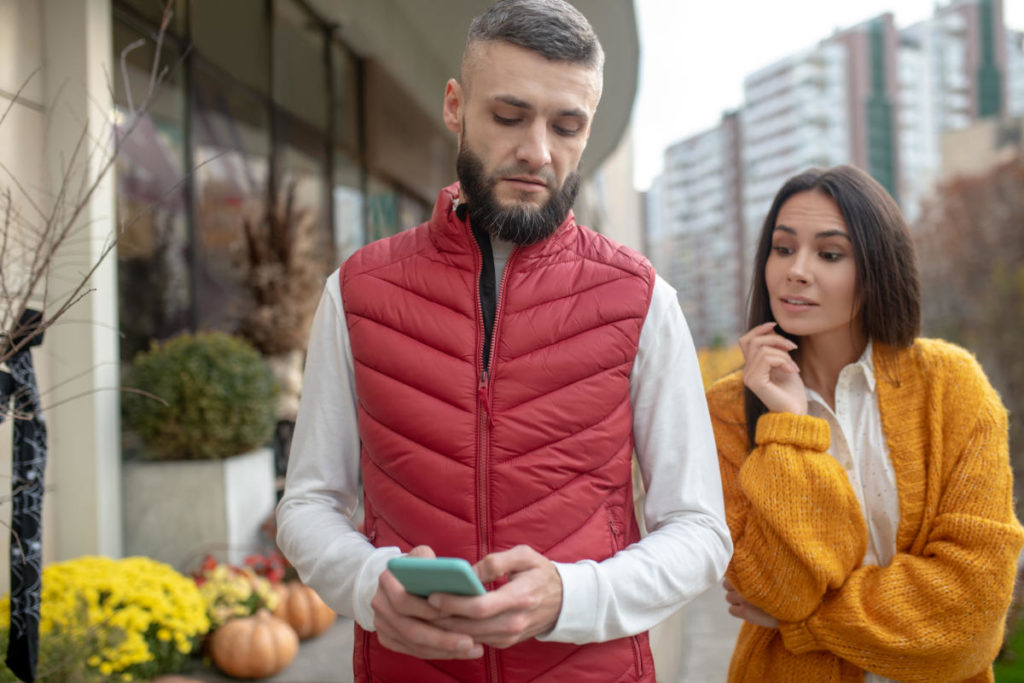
449, 233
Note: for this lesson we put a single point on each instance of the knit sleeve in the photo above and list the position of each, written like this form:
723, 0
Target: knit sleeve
796, 524
937, 614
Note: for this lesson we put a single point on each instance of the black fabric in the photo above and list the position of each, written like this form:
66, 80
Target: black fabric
19, 392
488, 293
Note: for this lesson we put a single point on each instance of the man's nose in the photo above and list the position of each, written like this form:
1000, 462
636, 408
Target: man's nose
534, 149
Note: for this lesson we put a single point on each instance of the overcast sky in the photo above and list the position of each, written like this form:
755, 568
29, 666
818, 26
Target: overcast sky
695, 54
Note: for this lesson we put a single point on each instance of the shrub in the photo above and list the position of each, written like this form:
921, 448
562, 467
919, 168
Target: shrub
113, 620
217, 392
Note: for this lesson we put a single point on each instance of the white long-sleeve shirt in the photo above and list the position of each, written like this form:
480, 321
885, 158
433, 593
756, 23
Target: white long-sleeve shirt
685, 552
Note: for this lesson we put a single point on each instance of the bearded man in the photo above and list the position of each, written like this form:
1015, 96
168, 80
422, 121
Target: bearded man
486, 377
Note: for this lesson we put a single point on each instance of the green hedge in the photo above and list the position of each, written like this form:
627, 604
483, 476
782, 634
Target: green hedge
219, 396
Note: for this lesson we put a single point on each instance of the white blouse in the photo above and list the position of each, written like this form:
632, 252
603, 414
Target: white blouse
858, 444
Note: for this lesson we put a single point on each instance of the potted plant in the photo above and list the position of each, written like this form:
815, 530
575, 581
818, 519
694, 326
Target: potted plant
202, 407
283, 261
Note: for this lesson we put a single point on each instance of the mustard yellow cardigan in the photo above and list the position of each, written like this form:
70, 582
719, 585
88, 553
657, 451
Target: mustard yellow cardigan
936, 613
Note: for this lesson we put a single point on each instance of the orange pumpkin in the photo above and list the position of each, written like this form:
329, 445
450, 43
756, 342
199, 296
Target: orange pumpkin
253, 647
303, 609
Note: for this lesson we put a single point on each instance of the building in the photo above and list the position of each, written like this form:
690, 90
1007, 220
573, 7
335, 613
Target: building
1014, 72
953, 72
333, 105
871, 95
702, 228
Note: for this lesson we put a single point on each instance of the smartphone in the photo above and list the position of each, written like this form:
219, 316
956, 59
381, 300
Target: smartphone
425, 575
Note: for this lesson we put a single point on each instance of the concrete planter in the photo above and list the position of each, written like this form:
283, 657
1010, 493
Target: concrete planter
177, 511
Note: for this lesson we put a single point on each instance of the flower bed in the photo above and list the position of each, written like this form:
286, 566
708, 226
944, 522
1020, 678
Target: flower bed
115, 620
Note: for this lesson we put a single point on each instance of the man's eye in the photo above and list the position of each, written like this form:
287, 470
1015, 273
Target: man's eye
568, 132
505, 121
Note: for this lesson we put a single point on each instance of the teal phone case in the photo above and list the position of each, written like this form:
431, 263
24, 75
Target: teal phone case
425, 575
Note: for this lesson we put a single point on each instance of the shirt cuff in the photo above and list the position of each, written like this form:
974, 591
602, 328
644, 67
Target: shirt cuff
578, 616
801, 431
796, 638
367, 582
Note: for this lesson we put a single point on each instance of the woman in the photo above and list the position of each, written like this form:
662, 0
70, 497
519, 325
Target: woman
866, 472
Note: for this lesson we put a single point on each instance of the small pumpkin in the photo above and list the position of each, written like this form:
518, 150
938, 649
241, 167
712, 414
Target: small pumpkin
253, 647
303, 609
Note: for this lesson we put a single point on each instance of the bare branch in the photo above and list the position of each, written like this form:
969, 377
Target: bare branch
17, 94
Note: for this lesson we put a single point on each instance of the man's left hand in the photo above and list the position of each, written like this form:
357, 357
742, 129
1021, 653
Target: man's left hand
526, 606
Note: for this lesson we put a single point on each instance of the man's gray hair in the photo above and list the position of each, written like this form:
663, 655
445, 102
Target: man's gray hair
553, 29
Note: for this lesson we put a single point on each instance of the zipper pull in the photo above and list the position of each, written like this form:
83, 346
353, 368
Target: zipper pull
484, 394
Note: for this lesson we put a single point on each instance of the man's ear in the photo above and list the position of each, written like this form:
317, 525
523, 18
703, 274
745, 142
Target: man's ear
453, 104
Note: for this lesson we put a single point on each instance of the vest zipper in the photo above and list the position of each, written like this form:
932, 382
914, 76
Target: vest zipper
485, 392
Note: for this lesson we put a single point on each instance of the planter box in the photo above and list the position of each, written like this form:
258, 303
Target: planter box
177, 511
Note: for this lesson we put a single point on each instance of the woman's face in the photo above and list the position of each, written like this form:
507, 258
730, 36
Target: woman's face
810, 273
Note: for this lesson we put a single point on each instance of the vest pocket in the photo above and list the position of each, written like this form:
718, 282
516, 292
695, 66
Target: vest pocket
615, 531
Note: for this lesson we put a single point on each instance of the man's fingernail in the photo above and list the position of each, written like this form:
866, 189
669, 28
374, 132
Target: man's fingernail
465, 643
434, 601
476, 652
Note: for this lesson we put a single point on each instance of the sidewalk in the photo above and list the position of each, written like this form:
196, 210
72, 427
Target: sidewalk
692, 646
326, 658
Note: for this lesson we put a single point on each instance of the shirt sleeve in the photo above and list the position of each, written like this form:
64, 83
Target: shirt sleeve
689, 546
314, 518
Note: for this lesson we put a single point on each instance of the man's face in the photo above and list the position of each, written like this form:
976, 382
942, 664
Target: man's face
523, 123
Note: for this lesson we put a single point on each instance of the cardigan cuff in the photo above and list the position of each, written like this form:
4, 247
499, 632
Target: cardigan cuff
796, 637
801, 431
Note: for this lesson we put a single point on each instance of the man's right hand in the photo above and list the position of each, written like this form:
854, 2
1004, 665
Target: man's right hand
403, 622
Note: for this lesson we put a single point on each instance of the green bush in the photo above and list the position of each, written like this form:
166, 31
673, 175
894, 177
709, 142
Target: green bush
219, 396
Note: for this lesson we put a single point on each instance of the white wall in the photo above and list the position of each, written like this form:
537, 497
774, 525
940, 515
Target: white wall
21, 142
77, 365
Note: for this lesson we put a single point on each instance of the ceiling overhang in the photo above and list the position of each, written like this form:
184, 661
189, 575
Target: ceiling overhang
420, 44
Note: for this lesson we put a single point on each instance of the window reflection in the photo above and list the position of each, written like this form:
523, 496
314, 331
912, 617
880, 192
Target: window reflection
231, 151
152, 248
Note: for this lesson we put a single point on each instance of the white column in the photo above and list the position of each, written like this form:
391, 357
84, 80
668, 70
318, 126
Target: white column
83, 501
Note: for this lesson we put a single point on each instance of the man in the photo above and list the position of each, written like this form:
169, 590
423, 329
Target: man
487, 375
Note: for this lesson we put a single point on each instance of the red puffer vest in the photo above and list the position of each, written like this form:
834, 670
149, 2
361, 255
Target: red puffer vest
534, 451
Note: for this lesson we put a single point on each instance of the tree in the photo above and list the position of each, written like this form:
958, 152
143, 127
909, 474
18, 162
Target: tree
970, 243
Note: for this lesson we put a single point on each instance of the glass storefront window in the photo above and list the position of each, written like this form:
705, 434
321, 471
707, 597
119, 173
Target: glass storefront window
234, 35
349, 223
345, 94
300, 68
390, 210
152, 11
231, 143
152, 210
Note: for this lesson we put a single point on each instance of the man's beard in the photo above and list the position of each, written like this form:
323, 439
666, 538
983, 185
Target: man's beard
522, 223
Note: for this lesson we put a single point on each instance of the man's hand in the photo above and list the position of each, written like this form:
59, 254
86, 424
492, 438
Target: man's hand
406, 623
526, 606
741, 609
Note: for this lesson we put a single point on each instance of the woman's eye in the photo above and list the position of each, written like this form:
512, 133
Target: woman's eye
784, 251
831, 255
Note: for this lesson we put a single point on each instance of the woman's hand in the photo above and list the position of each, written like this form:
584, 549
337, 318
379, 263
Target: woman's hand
741, 609
770, 372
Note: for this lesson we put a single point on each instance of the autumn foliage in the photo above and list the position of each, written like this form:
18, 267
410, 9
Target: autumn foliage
970, 243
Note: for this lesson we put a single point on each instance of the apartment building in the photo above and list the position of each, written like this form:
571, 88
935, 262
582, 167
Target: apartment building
870, 95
